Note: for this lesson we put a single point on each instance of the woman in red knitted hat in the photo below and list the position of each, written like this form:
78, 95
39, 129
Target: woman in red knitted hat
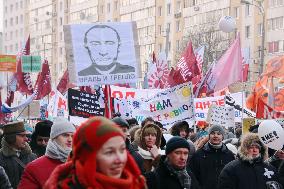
100, 160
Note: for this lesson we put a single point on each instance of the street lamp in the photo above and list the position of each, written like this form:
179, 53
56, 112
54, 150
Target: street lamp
261, 10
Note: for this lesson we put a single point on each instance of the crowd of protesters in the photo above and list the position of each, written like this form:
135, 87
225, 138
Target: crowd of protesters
116, 153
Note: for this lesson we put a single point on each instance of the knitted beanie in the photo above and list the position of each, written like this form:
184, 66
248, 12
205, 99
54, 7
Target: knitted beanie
176, 142
121, 122
213, 128
60, 126
14, 128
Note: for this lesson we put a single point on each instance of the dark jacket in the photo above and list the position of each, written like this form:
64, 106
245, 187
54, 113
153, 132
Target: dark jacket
37, 172
207, 164
134, 153
4, 181
248, 173
163, 178
13, 169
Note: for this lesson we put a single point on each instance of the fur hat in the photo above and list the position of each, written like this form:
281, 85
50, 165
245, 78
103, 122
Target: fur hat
60, 126
176, 142
213, 128
43, 128
14, 128
248, 140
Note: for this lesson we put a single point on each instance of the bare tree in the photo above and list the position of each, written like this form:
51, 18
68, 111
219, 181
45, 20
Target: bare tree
214, 40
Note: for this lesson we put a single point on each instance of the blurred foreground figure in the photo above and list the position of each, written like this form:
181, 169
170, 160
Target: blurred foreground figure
100, 160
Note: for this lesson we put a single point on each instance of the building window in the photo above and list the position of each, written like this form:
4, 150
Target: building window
177, 26
17, 6
169, 27
237, 12
170, 46
273, 46
11, 21
247, 31
247, 10
108, 7
168, 9
178, 8
17, 20
116, 5
21, 19
6, 9
11, 8
160, 29
21, 4
159, 11
259, 29
102, 9
177, 45
6, 23
160, 47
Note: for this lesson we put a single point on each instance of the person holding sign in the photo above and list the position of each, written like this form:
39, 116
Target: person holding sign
102, 43
249, 170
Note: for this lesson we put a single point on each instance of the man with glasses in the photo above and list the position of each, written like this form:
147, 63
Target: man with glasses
15, 152
40, 137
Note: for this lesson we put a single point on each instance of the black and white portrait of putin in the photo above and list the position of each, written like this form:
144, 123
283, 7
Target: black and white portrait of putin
102, 43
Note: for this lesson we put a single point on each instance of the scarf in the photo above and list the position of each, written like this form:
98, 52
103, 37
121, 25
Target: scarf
55, 151
216, 146
182, 175
147, 155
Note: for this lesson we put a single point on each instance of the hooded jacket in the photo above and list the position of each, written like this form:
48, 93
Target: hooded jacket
247, 172
12, 168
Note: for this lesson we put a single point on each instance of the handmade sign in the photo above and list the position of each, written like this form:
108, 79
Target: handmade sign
85, 104
221, 115
8, 63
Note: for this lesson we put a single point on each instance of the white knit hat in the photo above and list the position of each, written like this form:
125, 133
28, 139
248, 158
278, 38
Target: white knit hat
60, 126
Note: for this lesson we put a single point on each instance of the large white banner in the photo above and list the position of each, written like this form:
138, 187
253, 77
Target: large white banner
169, 106
102, 53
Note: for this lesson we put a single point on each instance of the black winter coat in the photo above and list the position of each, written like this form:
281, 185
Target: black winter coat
207, 164
4, 181
279, 165
241, 174
162, 178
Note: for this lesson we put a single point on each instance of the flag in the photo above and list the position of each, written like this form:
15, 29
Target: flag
271, 94
187, 66
108, 102
207, 84
266, 112
245, 62
24, 83
43, 85
12, 86
2, 115
158, 73
275, 67
199, 54
62, 86
228, 69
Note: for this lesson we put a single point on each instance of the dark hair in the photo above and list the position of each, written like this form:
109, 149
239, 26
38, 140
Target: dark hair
159, 124
146, 120
178, 126
132, 121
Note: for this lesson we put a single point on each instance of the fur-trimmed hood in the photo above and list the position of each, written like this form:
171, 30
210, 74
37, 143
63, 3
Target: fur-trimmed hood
141, 133
9, 152
246, 142
175, 130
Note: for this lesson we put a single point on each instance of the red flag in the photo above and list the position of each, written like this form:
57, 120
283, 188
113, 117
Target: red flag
64, 83
24, 83
266, 112
245, 72
43, 85
108, 102
187, 65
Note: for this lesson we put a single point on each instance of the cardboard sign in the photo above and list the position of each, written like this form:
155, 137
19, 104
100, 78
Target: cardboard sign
85, 104
31, 63
8, 63
220, 115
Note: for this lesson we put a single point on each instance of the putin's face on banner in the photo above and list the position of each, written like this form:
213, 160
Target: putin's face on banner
102, 44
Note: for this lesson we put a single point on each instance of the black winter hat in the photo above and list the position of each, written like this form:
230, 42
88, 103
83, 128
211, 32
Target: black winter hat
43, 128
176, 142
120, 122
